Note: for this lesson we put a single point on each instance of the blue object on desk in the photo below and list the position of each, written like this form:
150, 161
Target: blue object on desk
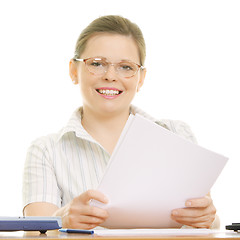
41, 224
67, 230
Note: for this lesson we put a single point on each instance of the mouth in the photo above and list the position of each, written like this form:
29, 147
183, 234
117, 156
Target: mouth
109, 92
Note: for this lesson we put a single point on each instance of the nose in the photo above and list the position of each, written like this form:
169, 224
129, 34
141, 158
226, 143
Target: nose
110, 74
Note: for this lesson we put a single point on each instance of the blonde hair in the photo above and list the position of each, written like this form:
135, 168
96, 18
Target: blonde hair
112, 24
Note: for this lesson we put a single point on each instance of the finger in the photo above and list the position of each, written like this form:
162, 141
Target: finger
86, 210
199, 202
194, 220
189, 212
94, 212
87, 226
92, 194
194, 212
200, 223
206, 224
90, 220
78, 220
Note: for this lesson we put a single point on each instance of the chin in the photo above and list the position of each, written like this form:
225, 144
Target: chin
111, 108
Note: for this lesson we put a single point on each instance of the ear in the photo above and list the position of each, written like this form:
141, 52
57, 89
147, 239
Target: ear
73, 71
142, 78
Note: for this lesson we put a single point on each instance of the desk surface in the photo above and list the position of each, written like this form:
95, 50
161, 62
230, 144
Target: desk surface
57, 235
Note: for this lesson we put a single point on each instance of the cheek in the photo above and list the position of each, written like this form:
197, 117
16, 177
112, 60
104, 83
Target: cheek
133, 84
86, 79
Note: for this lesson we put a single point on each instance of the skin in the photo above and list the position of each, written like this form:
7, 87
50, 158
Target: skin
104, 120
199, 213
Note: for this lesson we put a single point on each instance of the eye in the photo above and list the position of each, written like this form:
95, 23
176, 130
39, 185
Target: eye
96, 64
126, 66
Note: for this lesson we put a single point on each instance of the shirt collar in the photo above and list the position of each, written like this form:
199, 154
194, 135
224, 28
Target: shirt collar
74, 124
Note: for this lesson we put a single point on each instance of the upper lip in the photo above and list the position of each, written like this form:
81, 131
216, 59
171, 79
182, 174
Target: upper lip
109, 88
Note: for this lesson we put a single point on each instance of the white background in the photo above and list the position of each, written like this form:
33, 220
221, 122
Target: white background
193, 63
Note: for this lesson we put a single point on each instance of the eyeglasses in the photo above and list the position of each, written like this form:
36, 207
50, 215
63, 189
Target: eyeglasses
99, 66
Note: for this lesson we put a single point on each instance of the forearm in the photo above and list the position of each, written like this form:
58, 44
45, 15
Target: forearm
40, 209
47, 209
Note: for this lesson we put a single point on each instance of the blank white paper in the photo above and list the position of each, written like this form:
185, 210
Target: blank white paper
153, 171
153, 232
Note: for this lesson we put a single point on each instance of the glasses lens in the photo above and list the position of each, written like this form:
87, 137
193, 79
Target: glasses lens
127, 69
99, 66
96, 65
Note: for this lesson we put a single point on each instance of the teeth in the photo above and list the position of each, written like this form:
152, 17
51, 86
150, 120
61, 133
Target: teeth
108, 92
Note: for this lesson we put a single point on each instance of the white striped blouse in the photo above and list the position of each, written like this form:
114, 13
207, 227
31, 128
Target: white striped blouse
61, 166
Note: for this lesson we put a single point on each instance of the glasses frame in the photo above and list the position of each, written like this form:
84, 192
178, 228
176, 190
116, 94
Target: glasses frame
109, 63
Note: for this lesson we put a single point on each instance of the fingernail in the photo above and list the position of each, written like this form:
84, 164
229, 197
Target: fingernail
188, 204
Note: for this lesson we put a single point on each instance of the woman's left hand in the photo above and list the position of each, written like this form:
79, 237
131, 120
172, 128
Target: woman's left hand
199, 213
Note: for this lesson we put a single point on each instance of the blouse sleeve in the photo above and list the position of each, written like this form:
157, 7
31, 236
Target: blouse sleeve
39, 180
180, 128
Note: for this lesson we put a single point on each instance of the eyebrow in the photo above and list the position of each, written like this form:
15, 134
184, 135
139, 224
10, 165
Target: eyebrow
123, 60
107, 58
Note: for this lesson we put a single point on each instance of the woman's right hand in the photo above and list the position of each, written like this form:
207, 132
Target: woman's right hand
80, 215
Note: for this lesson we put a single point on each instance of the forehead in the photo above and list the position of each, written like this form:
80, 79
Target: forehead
114, 47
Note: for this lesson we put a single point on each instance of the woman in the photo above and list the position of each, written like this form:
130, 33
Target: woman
62, 169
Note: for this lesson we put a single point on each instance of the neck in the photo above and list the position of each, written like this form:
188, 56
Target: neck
105, 128
95, 122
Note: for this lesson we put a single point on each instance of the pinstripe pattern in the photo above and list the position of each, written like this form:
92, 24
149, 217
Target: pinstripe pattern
61, 166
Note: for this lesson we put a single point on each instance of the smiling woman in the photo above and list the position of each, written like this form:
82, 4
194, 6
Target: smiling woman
63, 169
120, 50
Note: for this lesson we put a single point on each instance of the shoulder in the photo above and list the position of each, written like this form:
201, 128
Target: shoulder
179, 127
43, 146
46, 140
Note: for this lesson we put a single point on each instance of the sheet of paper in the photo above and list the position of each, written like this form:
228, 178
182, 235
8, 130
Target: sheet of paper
153, 232
153, 171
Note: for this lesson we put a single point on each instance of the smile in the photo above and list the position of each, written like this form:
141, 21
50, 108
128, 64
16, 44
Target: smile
109, 92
